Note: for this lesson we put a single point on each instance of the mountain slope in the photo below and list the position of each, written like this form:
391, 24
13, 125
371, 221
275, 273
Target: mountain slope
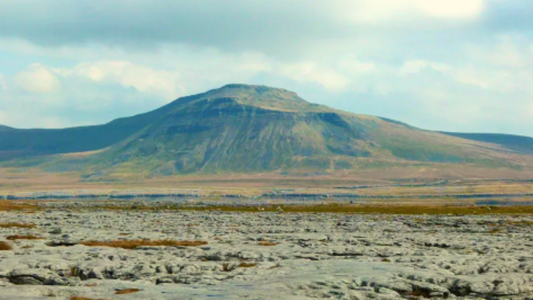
31, 142
244, 128
513, 142
16, 143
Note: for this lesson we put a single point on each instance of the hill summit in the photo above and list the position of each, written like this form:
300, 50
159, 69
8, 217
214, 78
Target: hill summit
248, 128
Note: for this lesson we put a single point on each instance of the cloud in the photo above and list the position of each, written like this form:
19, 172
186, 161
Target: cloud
462, 65
85, 94
230, 25
396, 10
4, 118
505, 51
52, 122
450, 8
3, 85
163, 83
310, 72
434, 94
38, 79
416, 66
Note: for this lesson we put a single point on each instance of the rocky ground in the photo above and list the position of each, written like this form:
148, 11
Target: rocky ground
267, 256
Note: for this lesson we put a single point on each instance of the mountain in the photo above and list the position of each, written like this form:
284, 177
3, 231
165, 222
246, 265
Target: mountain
513, 142
247, 128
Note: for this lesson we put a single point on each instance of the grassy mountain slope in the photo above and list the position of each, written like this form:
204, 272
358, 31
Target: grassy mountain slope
245, 129
17, 143
512, 142
31, 142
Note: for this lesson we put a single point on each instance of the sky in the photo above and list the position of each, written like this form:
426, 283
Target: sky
453, 65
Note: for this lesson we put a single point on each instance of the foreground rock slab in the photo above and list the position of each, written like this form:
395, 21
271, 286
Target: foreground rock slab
267, 256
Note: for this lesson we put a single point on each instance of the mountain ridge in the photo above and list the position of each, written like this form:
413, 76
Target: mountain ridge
249, 128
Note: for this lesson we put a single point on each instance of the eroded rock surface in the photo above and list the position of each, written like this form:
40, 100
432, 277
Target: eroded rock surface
269, 256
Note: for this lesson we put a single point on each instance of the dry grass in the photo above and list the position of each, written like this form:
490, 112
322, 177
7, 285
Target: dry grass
23, 237
127, 291
91, 285
16, 225
405, 208
495, 230
84, 298
267, 244
418, 294
9, 205
5, 246
133, 244
225, 267
520, 223
246, 265
81, 154
390, 209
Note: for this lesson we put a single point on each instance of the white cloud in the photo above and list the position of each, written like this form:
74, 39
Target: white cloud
357, 67
416, 66
510, 55
389, 10
455, 91
38, 79
52, 122
144, 79
4, 118
310, 72
469, 76
450, 8
3, 85
255, 62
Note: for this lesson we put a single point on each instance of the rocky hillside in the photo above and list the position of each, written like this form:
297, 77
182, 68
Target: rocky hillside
245, 128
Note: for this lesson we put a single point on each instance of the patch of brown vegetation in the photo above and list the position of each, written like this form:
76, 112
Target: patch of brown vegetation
246, 265
133, 244
387, 209
418, 294
23, 237
225, 267
5, 246
26, 247
81, 154
520, 223
267, 244
480, 252
127, 291
10, 205
495, 230
91, 285
84, 298
16, 225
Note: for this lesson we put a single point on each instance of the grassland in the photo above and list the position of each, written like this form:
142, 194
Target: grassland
404, 208
393, 181
212, 189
